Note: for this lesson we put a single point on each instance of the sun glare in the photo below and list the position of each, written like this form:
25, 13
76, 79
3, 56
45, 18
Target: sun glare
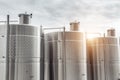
92, 35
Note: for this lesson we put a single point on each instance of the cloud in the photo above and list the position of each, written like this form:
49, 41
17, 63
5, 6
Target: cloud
59, 9
56, 12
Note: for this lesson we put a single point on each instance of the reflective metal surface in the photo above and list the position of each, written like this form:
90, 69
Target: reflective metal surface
3, 38
24, 52
103, 59
24, 18
65, 56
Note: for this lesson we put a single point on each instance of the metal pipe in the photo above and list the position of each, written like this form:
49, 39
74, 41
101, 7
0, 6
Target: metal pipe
9, 21
64, 54
7, 49
42, 54
53, 28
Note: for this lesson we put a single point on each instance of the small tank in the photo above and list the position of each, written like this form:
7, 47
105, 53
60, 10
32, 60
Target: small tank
103, 58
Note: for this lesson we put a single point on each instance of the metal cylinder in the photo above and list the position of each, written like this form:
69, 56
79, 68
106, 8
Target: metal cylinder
24, 52
74, 26
111, 32
65, 56
24, 18
103, 59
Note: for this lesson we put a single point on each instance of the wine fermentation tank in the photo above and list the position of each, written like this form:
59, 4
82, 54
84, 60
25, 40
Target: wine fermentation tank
22, 46
65, 55
24, 52
103, 58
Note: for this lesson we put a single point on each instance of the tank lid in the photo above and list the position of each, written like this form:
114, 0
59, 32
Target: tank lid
74, 26
24, 18
111, 32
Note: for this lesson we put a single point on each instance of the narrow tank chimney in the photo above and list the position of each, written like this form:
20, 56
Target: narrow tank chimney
24, 18
74, 26
111, 32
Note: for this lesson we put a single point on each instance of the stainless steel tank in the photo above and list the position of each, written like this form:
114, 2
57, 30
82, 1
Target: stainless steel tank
103, 59
24, 52
65, 56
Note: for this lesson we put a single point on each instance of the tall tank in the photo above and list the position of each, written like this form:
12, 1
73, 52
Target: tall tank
103, 58
23, 59
65, 56
24, 52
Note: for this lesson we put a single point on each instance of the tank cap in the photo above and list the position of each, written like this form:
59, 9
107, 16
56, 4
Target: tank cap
74, 26
24, 18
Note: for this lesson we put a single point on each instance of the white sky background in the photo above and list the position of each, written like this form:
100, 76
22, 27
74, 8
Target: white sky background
94, 15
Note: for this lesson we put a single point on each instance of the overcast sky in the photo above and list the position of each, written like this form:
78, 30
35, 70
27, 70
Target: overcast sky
93, 15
